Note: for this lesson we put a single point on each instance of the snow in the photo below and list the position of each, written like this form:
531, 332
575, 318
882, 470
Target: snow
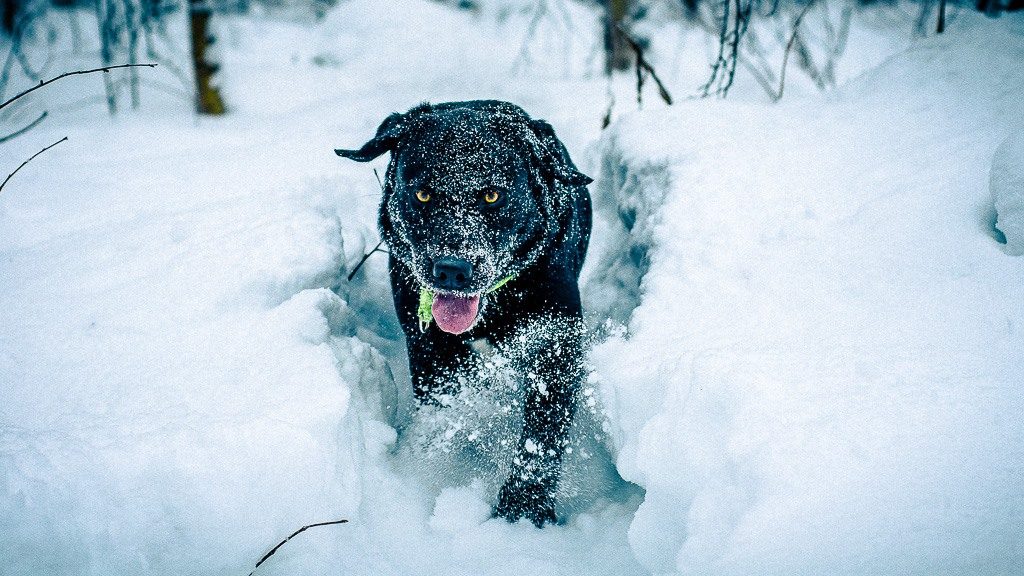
1008, 191
823, 370
809, 354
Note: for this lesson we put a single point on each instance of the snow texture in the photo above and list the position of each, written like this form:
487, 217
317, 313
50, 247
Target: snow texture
823, 371
812, 349
1008, 191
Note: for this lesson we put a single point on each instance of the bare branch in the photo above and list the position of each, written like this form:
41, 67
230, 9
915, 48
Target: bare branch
720, 60
294, 534
366, 256
761, 70
607, 120
153, 56
733, 28
838, 42
17, 133
9, 176
76, 72
789, 47
642, 65
376, 248
16, 54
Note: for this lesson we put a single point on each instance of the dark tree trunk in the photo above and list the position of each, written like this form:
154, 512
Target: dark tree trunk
208, 100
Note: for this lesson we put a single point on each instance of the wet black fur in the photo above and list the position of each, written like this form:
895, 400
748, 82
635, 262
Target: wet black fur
538, 231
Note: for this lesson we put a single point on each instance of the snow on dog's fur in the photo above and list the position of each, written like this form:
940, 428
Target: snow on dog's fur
487, 221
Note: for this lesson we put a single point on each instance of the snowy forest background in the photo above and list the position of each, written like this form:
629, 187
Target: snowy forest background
805, 285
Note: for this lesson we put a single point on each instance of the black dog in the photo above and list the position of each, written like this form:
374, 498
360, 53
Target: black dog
487, 220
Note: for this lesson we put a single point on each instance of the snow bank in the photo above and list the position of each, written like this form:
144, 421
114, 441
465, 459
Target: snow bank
822, 367
181, 386
1008, 191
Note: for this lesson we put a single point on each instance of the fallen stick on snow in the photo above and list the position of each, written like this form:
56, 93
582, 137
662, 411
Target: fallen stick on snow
294, 534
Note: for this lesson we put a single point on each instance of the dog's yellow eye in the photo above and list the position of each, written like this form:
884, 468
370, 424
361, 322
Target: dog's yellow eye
423, 196
491, 196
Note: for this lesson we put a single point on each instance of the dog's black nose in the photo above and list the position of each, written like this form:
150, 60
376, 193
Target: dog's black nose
452, 273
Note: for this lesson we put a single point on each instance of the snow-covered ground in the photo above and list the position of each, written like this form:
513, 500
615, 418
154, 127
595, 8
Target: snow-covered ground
824, 373
813, 351
1008, 191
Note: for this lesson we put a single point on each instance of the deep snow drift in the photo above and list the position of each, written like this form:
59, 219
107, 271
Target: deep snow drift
824, 373
812, 360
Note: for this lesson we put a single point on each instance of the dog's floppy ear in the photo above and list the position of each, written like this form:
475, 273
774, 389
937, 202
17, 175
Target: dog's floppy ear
554, 154
389, 133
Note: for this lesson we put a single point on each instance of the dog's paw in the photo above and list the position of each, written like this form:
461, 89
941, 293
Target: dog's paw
528, 499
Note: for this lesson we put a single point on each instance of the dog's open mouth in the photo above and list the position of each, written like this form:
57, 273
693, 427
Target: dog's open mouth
455, 314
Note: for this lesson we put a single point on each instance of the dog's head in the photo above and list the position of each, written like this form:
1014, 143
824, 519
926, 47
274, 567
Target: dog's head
474, 193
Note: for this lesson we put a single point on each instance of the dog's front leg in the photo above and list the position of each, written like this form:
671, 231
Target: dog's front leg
553, 377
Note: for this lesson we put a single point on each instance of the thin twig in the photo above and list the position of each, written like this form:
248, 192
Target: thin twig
29, 160
294, 534
19, 29
639, 82
153, 56
108, 38
789, 46
837, 42
607, 120
31, 125
133, 50
734, 27
757, 64
643, 64
760, 71
15, 53
76, 72
720, 60
740, 25
376, 248
5, 72
771, 11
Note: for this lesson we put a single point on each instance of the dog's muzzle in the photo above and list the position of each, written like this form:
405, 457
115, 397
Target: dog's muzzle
452, 273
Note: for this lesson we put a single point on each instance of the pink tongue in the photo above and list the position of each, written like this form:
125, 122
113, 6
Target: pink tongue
455, 314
